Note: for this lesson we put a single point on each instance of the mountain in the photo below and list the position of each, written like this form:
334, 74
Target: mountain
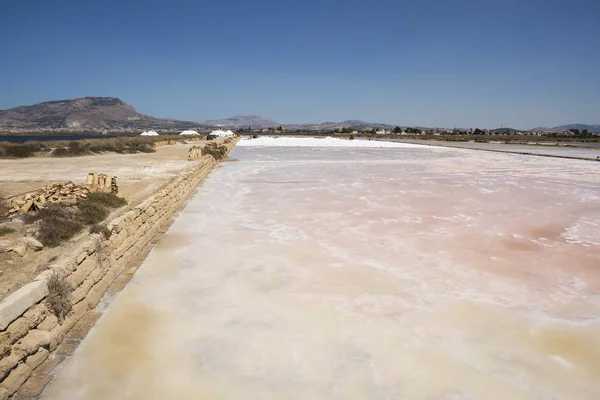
242, 121
83, 114
590, 128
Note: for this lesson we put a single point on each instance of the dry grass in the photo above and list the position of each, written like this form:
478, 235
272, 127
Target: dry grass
100, 229
6, 230
109, 200
54, 231
57, 224
3, 209
95, 208
65, 148
59, 296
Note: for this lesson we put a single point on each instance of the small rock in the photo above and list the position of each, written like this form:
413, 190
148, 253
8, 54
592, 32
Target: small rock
33, 244
20, 249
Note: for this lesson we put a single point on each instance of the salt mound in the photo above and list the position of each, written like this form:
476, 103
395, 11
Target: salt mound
221, 133
266, 141
149, 133
189, 132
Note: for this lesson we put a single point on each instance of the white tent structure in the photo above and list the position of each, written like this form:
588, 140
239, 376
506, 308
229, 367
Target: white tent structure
189, 133
149, 133
220, 133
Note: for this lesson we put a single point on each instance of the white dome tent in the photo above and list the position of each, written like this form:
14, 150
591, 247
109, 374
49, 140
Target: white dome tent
189, 133
149, 133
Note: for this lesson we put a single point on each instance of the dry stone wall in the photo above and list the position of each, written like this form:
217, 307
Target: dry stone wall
29, 330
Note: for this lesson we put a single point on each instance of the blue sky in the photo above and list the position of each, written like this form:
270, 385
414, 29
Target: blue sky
445, 63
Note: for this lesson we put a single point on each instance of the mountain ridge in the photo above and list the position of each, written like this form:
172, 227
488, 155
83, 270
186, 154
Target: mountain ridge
97, 113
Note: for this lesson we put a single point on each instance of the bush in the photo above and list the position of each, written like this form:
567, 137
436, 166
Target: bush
59, 296
6, 230
3, 209
91, 213
100, 229
21, 150
52, 211
54, 231
109, 200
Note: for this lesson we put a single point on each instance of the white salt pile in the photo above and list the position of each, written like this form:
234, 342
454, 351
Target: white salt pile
267, 141
221, 133
149, 133
189, 132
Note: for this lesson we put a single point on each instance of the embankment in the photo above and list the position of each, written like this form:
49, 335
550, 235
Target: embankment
30, 332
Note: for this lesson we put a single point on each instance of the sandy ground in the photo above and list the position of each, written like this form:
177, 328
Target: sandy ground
138, 176
406, 273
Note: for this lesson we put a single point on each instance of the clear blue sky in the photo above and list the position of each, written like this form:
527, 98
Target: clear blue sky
484, 63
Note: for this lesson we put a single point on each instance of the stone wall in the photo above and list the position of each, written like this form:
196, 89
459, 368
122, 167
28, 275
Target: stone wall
30, 332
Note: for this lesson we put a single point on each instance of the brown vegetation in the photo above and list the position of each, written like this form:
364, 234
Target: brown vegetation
59, 223
59, 296
6, 230
100, 229
64, 148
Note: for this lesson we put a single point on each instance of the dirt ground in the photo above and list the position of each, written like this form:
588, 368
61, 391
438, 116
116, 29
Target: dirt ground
138, 176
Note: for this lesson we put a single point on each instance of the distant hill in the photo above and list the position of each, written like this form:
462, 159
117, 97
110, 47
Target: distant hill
83, 114
242, 121
590, 128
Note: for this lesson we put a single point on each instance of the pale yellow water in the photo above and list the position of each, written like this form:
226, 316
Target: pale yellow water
416, 273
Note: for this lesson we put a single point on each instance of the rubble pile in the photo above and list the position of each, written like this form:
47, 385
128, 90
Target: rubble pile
61, 192
49, 194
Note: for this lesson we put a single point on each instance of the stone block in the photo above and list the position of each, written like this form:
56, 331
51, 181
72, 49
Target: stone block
32, 342
16, 378
81, 256
33, 387
35, 360
48, 323
8, 363
18, 302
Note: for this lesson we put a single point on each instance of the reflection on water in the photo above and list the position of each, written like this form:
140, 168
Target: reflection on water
415, 273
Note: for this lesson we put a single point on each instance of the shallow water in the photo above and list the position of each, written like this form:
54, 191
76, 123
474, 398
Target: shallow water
406, 273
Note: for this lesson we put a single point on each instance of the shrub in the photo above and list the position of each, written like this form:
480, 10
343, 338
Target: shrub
91, 213
3, 209
54, 231
59, 296
51, 211
109, 200
101, 229
6, 230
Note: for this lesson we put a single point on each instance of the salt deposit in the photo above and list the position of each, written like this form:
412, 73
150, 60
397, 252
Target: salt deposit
286, 141
409, 272
221, 133
189, 132
149, 133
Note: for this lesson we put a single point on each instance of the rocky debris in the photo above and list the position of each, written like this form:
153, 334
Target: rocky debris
21, 246
67, 193
49, 194
33, 244
19, 249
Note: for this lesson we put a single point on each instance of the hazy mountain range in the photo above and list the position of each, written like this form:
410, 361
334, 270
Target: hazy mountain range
113, 114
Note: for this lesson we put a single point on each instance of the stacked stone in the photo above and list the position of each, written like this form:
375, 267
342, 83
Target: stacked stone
195, 153
49, 194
